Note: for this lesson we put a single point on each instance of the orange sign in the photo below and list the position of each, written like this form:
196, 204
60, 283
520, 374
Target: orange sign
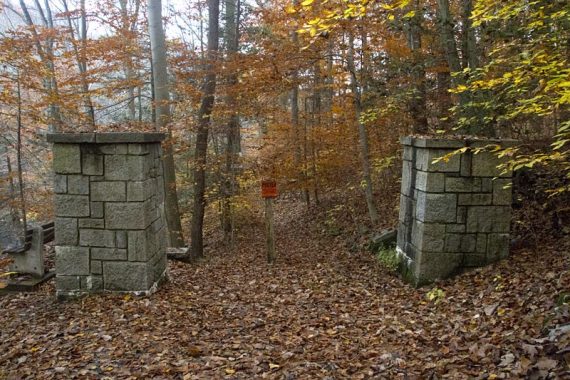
269, 189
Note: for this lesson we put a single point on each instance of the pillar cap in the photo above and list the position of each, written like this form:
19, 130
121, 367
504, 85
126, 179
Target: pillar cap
455, 143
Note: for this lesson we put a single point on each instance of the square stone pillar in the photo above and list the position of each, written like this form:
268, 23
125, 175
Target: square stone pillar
454, 214
110, 230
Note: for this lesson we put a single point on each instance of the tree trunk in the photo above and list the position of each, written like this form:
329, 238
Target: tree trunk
233, 127
162, 106
362, 135
417, 104
204, 116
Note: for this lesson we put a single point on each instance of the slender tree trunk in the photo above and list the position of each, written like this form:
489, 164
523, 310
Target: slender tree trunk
19, 158
469, 41
204, 116
418, 109
162, 106
362, 135
128, 62
233, 127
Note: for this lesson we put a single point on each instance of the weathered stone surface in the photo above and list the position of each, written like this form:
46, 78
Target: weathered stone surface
481, 243
78, 184
455, 228
68, 137
138, 249
126, 276
475, 259
116, 168
71, 261
466, 164
97, 238
461, 215
497, 246
66, 159
71, 205
106, 254
126, 216
93, 284
129, 137
462, 184
425, 161
121, 239
488, 219
89, 223
502, 192
92, 164
66, 232
108, 191
67, 283
430, 182
107, 148
428, 236
460, 242
60, 184
485, 165
138, 191
97, 210
421, 142
406, 209
96, 267
474, 199
138, 167
121, 148
407, 154
439, 208
432, 266
139, 149
486, 185
407, 173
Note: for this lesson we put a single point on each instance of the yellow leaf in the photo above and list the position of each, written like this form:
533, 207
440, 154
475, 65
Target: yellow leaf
501, 312
230, 371
306, 3
128, 297
273, 366
290, 9
391, 17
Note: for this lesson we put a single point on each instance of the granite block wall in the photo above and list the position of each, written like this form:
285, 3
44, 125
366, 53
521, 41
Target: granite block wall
455, 213
110, 230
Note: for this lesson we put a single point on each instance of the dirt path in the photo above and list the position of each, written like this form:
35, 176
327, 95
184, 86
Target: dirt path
320, 312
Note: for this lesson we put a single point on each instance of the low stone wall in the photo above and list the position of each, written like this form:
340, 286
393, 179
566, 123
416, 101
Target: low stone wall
110, 230
454, 214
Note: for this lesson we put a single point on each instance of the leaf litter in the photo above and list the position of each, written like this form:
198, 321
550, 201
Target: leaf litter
320, 312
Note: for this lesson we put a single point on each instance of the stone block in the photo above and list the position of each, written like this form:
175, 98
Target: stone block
66, 232
430, 182
486, 185
461, 215
129, 137
488, 219
485, 165
432, 266
406, 209
92, 283
126, 216
71, 205
428, 236
138, 149
462, 184
121, 148
89, 223
460, 243
116, 168
436, 208
97, 210
407, 172
66, 159
502, 192
60, 184
108, 191
107, 148
78, 184
138, 249
474, 199
425, 161
137, 191
92, 163
67, 283
108, 254
96, 267
126, 276
138, 167
408, 153
455, 228
121, 239
71, 261
466, 163
474, 259
497, 246
481, 243
97, 238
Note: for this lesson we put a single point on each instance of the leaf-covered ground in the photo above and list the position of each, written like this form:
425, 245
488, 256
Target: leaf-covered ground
320, 312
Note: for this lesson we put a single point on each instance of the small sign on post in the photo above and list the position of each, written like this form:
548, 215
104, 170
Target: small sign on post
269, 192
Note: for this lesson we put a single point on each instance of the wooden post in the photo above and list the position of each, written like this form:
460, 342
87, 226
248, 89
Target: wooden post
269, 231
269, 192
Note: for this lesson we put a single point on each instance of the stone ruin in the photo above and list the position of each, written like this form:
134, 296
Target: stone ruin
110, 230
454, 214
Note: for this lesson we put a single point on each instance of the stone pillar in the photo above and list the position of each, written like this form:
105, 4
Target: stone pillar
110, 231
454, 214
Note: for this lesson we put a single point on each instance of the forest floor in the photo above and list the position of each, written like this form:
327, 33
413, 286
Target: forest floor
320, 312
